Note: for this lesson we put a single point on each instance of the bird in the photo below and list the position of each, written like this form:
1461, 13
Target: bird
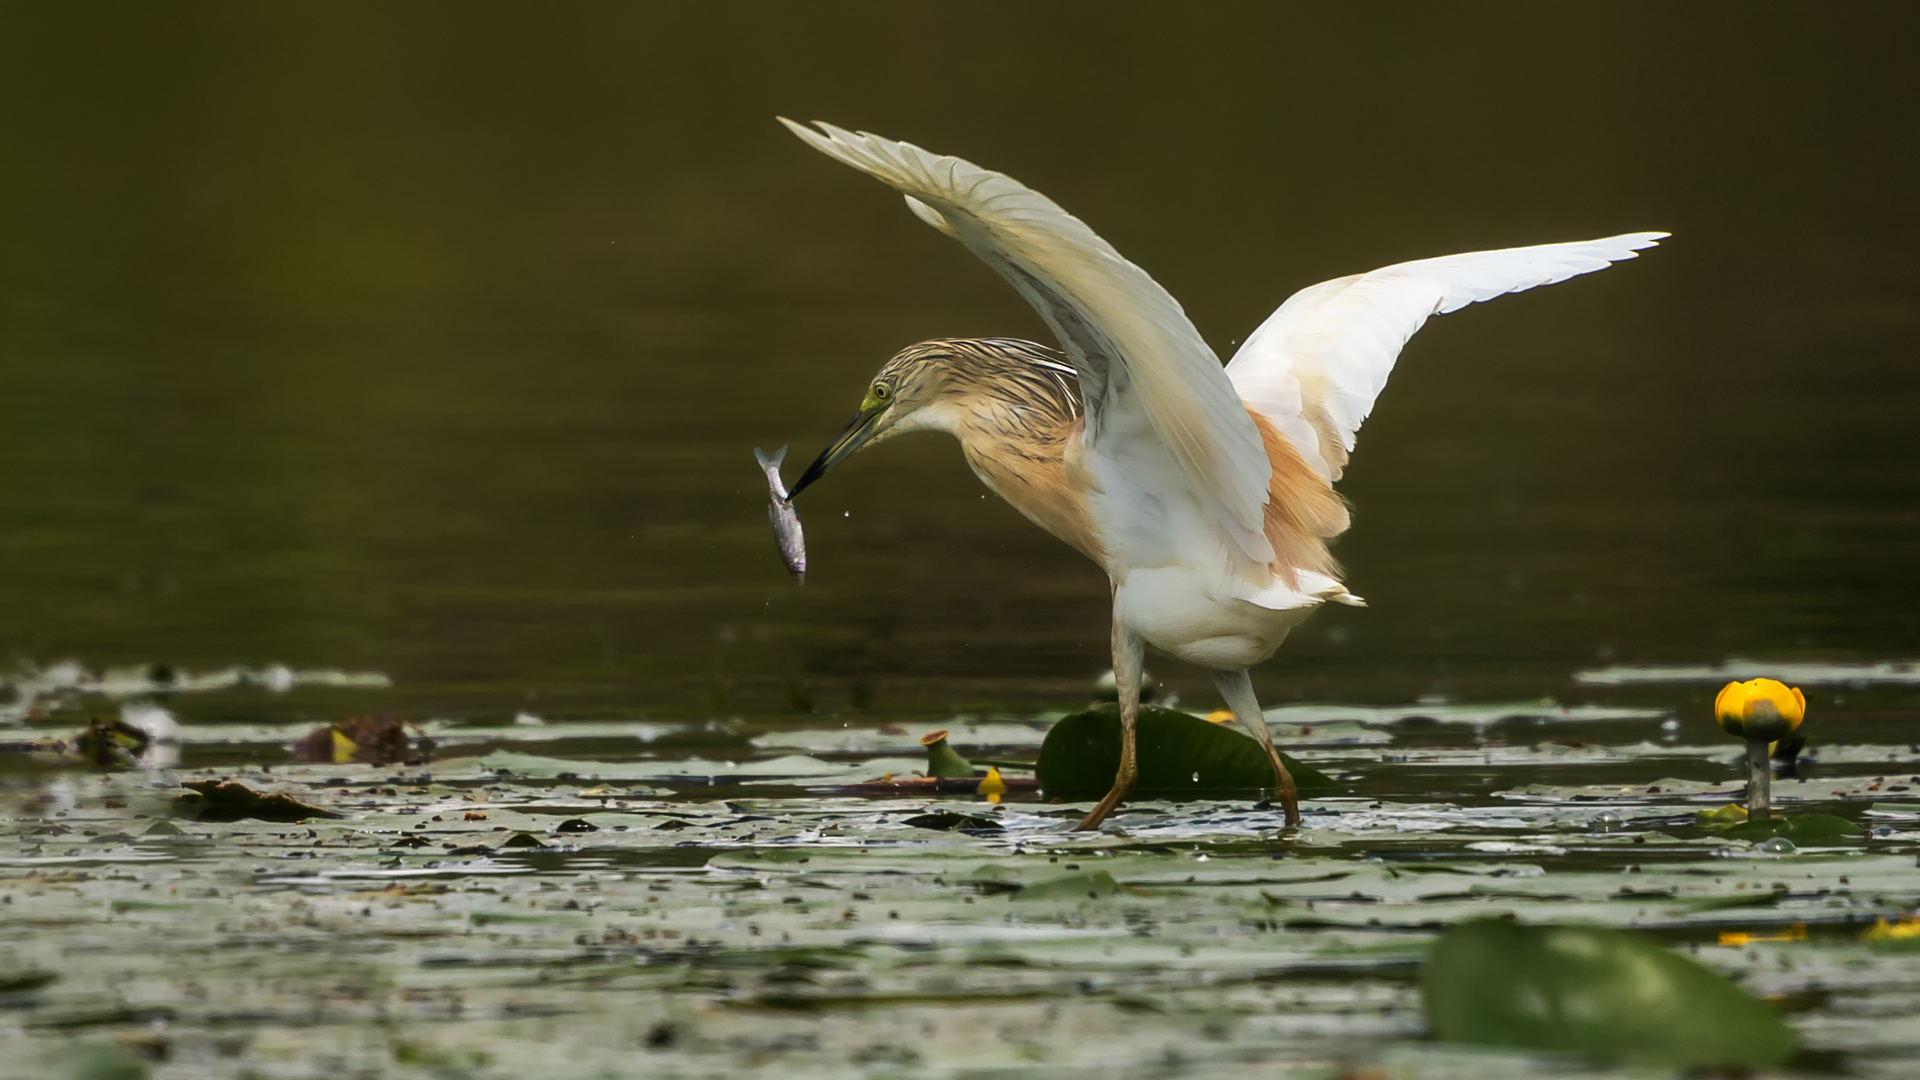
1206, 492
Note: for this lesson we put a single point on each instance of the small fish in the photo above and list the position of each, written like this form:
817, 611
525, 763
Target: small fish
786, 523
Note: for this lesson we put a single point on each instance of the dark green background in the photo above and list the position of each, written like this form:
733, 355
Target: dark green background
434, 338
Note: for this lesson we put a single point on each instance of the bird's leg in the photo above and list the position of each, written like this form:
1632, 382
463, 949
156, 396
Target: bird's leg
1128, 654
1237, 688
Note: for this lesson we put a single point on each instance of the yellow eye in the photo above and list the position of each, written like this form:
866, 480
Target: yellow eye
882, 392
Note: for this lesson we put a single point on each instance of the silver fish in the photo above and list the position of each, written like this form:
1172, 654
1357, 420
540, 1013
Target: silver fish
786, 523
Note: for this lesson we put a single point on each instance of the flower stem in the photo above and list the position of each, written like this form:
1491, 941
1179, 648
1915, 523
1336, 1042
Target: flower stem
1759, 780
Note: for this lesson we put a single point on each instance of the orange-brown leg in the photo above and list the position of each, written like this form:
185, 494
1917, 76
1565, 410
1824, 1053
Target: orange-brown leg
1128, 654
1237, 688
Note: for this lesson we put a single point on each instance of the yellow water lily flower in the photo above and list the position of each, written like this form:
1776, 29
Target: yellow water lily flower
992, 786
1760, 709
1796, 932
1906, 929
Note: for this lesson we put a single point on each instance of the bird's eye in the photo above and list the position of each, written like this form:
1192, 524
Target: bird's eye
882, 392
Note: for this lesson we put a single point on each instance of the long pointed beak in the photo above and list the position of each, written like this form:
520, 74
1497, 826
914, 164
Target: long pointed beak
849, 440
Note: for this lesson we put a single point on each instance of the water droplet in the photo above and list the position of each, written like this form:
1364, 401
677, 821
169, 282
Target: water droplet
1776, 845
1606, 821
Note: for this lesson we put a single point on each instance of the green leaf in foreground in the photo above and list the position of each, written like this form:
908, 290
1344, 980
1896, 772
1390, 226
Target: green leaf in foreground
1178, 754
1592, 990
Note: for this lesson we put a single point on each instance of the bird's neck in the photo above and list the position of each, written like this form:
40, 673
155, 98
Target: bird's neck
1035, 468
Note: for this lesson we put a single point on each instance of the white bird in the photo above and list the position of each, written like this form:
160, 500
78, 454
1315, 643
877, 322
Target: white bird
1206, 493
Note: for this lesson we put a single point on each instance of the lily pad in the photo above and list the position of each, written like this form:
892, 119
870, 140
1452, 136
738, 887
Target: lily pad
1594, 991
947, 821
1803, 829
1091, 885
1178, 755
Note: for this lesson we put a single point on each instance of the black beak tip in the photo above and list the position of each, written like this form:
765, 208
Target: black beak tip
814, 472
847, 443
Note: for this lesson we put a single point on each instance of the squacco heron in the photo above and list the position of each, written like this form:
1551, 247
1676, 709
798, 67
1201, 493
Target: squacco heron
1206, 493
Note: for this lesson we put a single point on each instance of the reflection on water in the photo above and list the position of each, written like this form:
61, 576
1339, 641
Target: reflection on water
364, 340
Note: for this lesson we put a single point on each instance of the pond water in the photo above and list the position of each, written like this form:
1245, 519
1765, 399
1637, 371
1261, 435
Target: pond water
423, 352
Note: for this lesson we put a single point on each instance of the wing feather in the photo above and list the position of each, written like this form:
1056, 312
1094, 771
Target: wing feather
1133, 347
1317, 365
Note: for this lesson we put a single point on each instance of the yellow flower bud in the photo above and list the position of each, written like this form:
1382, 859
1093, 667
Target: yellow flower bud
1760, 709
993, 786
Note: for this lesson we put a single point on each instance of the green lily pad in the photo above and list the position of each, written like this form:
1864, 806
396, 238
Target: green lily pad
1595, 991
1090, 885
1802, 830
20, 982
1178, 754
97, 1061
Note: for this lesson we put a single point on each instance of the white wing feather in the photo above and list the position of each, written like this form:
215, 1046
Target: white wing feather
1131, 343
1317, 365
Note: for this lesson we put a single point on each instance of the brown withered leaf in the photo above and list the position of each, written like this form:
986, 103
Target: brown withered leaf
366, 740
230, 800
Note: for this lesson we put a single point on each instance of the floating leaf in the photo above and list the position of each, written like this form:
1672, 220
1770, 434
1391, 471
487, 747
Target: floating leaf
230, 800
1592, 990
1090, 885
1178, 755
97, 1061
1802, 830
947, 821
20, 982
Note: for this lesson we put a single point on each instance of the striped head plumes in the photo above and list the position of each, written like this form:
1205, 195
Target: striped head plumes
1002, 384
974, 388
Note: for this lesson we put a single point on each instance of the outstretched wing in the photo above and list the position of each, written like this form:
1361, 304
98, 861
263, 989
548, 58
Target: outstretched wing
1135, 350
1316, 366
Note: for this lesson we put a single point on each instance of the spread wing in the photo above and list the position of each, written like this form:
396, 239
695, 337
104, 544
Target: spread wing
1137, 354
1315, 367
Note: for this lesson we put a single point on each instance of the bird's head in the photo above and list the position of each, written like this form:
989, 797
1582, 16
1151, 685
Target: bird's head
904, 389
936, 385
